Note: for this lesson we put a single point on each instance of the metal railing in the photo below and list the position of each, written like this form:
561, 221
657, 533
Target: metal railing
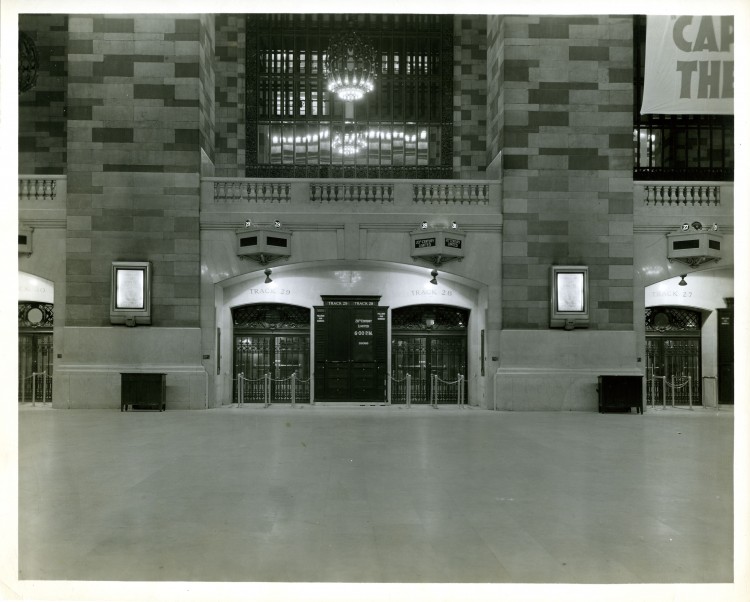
35, 377
439, 389
673, 385
262, 388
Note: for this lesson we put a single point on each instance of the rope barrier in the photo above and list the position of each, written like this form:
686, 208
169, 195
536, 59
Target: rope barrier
33, 378
266, 379
673, 386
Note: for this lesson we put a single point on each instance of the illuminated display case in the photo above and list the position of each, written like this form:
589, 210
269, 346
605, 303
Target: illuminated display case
130, 300
569, 303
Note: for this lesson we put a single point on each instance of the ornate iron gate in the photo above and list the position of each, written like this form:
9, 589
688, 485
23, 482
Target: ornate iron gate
35, 351
673, 350
428, 340
274, 340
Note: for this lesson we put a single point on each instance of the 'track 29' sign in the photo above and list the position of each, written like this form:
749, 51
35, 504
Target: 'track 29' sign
689, 65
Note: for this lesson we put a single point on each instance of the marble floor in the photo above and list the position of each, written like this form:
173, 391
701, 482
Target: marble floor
375, 494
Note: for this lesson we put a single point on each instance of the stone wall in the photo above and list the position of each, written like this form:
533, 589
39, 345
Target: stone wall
469, 96
230, 96
495, 87
137, 112
567, 163
41, 110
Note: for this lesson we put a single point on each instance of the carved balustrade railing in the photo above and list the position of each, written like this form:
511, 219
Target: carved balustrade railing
42, 188
365, 192
257, 191
461, 192
371, 191
683, 195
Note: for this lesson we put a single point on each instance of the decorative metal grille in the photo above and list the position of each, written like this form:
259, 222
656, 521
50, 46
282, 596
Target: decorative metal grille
672, 319
271, 316
279, 356
677, 359
35, 365
402, 129
260, 348
423, 356
429, 317
32, 314
427, 340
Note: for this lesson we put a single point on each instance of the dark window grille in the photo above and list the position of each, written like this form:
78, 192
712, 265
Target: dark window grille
672, 319
270, 316
677, 147
402, 129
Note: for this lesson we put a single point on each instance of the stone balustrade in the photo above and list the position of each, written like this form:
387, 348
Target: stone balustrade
219, 191
452, 192
236, 190
682, 195
368, 192
35, 188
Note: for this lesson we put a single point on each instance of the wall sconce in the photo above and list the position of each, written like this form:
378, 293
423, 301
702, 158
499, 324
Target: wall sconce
682, 280
268, 272
434, 274
276, 223
248, 223
429, 320
454, 226
423, 226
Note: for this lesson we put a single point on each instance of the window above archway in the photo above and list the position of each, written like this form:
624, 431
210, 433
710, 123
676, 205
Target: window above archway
295, 126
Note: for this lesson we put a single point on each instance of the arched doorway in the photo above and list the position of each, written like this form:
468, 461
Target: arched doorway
271, 339
673, 355
427, 340
35, 351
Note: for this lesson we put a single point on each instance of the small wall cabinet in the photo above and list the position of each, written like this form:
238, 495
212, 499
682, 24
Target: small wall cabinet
143, 391
619, 393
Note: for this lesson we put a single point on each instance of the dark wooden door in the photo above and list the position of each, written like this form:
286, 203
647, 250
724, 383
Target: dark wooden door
350, 353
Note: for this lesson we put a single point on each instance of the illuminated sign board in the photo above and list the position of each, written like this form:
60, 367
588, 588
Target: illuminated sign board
130, 302
569, 303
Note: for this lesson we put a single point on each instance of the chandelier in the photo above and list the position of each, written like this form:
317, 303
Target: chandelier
350, 66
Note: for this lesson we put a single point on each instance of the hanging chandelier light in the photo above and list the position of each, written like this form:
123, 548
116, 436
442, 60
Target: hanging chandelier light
350, 66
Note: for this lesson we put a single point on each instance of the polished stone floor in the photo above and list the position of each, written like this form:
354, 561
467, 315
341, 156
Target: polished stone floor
375, 494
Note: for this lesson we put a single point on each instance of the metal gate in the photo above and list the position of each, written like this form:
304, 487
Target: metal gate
278, 356
35, 352
673, 356
428, 340
271, 349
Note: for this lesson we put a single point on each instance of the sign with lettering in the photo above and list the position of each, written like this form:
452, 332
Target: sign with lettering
362, 336
689, 65
454, 243
346, 301
423, 243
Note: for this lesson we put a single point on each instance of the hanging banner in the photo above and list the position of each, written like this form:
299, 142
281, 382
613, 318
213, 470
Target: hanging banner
689, 65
